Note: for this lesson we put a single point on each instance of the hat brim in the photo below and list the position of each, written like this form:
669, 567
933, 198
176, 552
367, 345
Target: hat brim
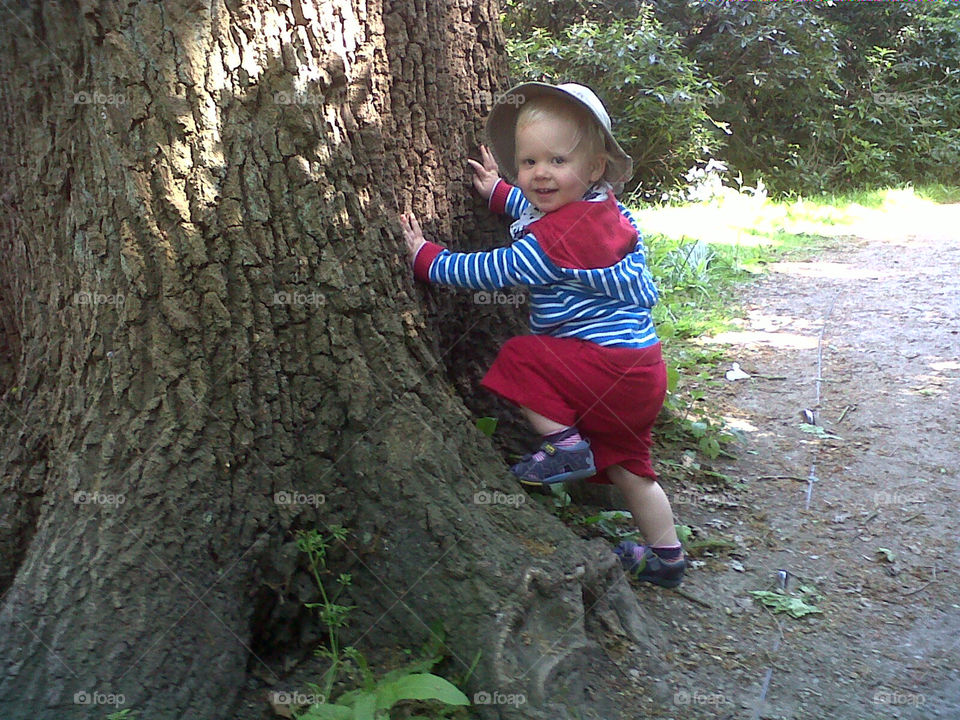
502, 128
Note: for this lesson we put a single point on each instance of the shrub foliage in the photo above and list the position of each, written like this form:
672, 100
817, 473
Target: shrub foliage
806, 96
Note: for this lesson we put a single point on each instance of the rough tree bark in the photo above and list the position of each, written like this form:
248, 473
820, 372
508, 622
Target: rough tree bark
205, 303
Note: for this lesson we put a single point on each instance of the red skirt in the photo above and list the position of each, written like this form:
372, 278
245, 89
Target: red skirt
613, 395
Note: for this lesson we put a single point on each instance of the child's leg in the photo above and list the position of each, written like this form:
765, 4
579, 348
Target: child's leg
649, 506
661, 560
542, 425
563, 456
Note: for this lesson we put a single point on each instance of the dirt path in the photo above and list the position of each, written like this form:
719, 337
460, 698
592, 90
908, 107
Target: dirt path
880, 319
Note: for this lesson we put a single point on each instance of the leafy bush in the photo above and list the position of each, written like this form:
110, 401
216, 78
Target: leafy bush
777, 67
655, 98
904, 95
807, 96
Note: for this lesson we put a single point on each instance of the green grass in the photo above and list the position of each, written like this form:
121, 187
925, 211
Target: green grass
942, 194
737, 218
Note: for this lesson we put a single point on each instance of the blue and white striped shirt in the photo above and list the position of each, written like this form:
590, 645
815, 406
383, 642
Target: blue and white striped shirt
608, 306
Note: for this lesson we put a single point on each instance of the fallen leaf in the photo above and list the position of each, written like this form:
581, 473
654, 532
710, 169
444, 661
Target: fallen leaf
819, 432
888, 555
778, 603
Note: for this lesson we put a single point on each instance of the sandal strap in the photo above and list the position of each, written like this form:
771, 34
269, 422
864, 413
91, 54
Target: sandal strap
561, 434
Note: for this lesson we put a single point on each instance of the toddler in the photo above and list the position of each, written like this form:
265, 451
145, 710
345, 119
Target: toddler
590, 378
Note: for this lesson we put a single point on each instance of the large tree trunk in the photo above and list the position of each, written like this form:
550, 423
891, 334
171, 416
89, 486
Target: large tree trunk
204, 292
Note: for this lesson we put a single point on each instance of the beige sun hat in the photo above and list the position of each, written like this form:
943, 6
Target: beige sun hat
502, 125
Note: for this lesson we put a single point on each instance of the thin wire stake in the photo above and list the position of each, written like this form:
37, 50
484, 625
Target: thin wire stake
766, 684
811, 479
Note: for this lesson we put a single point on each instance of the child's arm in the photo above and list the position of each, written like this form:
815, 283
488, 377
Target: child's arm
629, 281
522, 263
508, 200
502, 197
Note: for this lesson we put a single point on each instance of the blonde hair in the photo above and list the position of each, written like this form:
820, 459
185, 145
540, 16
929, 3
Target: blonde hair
589, 134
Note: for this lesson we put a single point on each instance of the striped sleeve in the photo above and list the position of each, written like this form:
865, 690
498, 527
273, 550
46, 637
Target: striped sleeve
629, 281
507, 199
522, 263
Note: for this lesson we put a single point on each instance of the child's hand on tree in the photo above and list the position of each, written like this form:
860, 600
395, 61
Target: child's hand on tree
485, 175
412, 234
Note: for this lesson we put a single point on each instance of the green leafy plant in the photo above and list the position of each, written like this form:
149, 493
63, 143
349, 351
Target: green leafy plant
695, 545
819, 431
708, 544
608, 522
376, 698
377, 695
810, 97
332, 614
688, 418
617, 525
886, 554
561, 498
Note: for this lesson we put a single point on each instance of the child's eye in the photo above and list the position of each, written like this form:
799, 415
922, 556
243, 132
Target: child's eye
527, 161
559, 160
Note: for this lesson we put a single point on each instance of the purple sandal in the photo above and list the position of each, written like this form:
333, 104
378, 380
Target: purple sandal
558, 464
644, 564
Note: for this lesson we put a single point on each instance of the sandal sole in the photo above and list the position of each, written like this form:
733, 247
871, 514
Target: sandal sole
566, 477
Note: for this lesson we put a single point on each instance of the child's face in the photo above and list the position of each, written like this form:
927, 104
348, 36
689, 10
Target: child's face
551, 172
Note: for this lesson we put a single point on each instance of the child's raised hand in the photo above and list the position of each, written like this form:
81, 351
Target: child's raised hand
412, 234
485, 174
